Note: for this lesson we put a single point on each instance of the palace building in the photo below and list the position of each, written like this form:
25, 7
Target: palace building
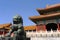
48, 19
4, 28
47, 24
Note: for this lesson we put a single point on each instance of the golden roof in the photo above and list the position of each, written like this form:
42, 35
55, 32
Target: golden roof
48, 8
29, 27
6, 26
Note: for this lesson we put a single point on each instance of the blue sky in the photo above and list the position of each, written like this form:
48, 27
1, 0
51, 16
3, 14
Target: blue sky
25, 8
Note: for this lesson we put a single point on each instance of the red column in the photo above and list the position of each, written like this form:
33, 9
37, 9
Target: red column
44, 27
58, 26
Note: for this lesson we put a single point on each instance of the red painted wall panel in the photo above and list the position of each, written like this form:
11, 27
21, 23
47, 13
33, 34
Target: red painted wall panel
58, 26
41, 27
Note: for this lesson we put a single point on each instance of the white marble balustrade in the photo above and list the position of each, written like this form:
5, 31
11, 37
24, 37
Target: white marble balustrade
43, 34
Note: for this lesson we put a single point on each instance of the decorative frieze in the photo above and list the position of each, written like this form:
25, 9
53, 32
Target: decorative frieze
58, 20
50, 21
40, 22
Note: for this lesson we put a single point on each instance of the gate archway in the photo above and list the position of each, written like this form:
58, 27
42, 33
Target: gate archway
52, 26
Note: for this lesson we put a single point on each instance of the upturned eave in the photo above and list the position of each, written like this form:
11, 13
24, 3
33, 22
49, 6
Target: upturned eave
44, 17
48, 9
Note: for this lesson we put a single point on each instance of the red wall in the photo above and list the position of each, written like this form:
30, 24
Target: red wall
43, 27
40, 27
58, 26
